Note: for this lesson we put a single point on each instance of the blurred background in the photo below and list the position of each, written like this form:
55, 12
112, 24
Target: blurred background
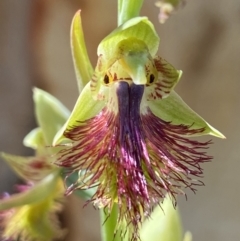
202, 39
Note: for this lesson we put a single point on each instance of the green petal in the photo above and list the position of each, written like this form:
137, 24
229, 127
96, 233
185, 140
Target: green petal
139, 27
82, 64
51, 114
167, 78
163, 225
36, 194
29, 168
175, 110
85, 108
34, 139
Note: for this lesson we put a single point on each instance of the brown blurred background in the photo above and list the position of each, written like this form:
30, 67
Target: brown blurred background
202, 39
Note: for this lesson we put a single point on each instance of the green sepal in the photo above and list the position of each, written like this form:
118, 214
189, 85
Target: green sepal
37, 193
85, 108
163, 225
139, 27
82, 64
176, 111
50, 113
33, 168
34, 139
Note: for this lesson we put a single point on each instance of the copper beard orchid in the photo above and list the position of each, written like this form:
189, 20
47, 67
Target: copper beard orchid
32, 213
129, 131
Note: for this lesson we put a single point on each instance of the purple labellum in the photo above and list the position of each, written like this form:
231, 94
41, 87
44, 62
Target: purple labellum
130, 130
132, 156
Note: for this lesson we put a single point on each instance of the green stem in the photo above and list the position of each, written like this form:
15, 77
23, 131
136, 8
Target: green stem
110, 222
128, 9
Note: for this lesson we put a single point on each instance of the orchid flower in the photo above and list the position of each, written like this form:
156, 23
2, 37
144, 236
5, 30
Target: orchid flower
166, 8
129, 132
32, 214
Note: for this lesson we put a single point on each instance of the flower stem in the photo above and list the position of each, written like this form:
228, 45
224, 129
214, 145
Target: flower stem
128, 9
109, 223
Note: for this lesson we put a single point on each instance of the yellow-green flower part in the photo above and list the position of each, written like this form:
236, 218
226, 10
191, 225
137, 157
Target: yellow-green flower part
37, 218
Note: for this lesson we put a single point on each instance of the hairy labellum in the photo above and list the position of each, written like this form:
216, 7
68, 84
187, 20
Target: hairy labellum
132, 156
